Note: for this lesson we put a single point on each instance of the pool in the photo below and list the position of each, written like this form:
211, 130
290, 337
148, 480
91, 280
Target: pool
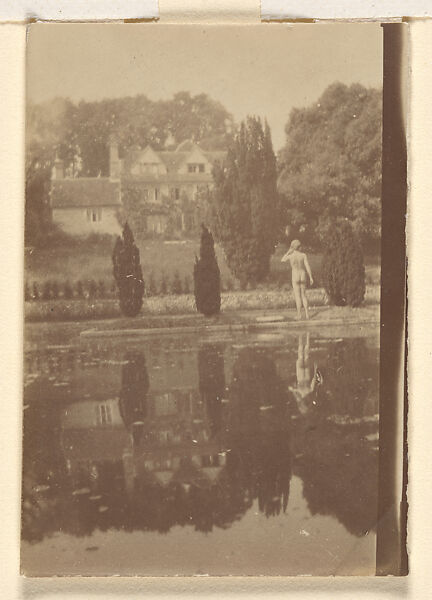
194, 455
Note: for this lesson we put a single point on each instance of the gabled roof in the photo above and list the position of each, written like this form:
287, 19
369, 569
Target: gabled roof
84, 192
173, 159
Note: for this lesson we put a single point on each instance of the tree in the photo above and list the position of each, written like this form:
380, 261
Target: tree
211, 376
331, 164
133, 393
343, 266
246, 204
207, 277
128, 273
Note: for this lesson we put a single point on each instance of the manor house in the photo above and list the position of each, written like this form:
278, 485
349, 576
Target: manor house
160, 187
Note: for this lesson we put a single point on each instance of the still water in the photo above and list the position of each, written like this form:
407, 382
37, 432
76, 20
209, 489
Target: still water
256, 455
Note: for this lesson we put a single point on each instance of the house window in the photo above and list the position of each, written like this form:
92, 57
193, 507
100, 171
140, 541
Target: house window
156, 194
145, 195
149, 168
94, 215
175, 193
196, 168
104, 415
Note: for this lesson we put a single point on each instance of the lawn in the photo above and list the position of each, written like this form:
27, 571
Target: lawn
92, 261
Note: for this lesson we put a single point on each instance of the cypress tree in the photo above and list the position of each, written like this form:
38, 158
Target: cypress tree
133, 393
343, 266
207, 277
246, 203
128, 273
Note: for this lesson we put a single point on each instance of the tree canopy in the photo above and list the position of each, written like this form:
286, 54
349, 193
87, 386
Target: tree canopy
330, 166
246, 203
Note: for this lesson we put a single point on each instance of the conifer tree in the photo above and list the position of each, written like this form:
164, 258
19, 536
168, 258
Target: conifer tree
343, 266
128, 273
246, 203
207, 277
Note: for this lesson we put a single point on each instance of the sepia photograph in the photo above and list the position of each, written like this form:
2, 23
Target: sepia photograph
202, 300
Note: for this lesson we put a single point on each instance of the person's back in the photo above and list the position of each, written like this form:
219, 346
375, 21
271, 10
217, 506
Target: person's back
300, 269
297, 260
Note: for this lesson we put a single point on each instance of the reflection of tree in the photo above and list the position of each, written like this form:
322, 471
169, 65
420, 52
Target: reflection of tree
338, 467
212, 384
43, 464
133, 394
259, 438
346, 385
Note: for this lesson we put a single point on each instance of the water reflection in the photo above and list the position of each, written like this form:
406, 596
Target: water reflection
148, 438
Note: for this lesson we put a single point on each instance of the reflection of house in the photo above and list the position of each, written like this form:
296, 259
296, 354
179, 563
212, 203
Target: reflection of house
175, 444
162, 186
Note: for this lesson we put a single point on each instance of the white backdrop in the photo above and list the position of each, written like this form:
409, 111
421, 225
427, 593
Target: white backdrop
417, 586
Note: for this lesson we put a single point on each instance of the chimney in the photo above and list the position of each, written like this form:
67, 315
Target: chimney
58, 169
114, 160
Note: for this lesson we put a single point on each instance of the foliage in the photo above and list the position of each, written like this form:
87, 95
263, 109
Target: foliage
186, 285
79, 289
331, 164
343, 267
128, 274
176, 287
211, 376
163, 285
151, 285
133, 394
207, 277
246, 204
35, 293
67, 291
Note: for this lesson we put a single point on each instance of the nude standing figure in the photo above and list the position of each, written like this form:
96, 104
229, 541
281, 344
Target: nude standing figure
300, 269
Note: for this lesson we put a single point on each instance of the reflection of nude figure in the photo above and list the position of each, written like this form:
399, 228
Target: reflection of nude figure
305, 381
300, 269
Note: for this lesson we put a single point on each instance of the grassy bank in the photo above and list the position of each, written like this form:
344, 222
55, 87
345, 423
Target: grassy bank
78, 310
91, 261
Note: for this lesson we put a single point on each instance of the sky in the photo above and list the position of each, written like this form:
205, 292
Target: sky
264, 70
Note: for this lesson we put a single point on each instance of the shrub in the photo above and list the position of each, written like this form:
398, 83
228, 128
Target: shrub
35, 292
55, 290
176, 287
92, 289
228, 285
207, 277
151, 285
67, 291
186, 285
101, 292
46, 292
163, 289
79, 289
343, 268
128, 273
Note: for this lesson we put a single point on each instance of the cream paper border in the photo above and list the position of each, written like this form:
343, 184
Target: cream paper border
418, 584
